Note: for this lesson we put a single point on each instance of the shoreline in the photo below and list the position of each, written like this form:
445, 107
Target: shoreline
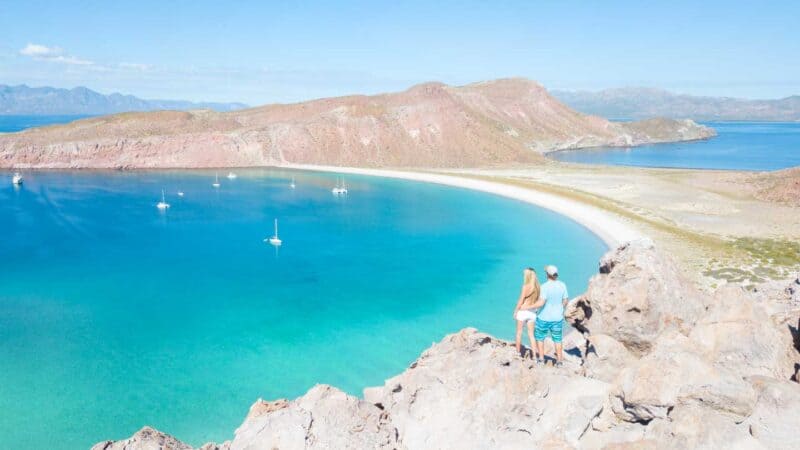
611, 230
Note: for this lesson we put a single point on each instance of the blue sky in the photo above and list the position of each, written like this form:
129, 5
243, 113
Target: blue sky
260, 52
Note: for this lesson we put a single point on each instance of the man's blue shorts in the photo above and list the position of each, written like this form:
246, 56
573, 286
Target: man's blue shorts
543, 328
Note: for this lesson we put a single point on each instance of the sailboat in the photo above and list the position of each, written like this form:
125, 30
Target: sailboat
17, 179
180, 193
162, 205
292, 185
275, 240
216, 180
231, 175
340, 189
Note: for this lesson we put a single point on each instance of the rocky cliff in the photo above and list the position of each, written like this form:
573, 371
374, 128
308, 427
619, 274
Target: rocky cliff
653, 363
429, 125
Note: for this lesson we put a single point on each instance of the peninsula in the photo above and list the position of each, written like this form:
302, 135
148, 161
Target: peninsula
501, 122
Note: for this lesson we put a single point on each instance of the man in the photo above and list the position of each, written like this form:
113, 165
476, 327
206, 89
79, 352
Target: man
550, 320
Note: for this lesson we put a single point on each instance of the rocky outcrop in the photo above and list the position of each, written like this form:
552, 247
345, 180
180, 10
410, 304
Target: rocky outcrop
145, 439
637, 295
738, 335
776, 416
451, 398
660, 365
683, 358
430, 125
324, 418
673, 375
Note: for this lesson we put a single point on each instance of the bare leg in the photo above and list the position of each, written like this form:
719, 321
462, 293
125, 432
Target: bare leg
518, 342
530, 338
540, 349
559, 352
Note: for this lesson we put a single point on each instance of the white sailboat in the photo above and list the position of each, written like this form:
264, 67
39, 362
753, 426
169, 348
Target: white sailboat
162, 205
16, 180
216, 180
340, 189
292, 185
275, 240
231, 175
180, 193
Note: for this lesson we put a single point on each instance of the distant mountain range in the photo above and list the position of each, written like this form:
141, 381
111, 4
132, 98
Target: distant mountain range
25, 100
643, 103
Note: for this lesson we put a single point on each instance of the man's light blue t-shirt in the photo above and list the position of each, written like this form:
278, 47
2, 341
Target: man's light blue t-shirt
553, 292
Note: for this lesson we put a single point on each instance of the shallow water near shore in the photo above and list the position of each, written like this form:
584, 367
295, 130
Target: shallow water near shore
738, 146
114, 315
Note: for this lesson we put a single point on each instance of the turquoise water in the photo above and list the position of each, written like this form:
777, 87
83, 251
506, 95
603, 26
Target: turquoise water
114, 315
10, 124
738, 146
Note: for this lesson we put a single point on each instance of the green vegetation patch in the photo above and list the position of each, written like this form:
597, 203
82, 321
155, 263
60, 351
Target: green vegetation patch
733, 275
770, 252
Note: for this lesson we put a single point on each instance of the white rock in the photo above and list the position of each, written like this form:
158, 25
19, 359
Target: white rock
775, 420
738, 335
472, 392
638, 294
672, 375
323, 418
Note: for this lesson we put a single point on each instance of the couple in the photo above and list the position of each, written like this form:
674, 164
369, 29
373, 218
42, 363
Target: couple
542, 307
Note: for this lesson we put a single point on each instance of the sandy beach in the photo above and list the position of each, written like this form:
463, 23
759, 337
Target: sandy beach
710, 221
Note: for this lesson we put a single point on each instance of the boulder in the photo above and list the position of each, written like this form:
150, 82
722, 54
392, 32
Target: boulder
606, 357
609, 435
737, 334
323, 418
471, 391
775, 420
792, 291
673, 375
145, 439
696, 427
781, 298
638, 294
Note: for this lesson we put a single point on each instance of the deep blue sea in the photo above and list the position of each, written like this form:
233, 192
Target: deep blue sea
739, 146
114, 315
9, 124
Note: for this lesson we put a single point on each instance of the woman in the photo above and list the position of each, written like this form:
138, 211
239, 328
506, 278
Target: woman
524, 311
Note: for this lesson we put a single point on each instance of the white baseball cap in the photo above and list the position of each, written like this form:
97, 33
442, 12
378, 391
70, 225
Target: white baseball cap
551, 270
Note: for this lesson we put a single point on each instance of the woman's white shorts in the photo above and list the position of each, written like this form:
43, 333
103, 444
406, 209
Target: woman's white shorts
525, 315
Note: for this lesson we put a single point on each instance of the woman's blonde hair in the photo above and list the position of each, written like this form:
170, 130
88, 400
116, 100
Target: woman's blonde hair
530, 279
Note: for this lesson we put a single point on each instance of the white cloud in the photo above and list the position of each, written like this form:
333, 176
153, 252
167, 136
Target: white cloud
135, 66
58, 55
41, 51
54, 54
72, 60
